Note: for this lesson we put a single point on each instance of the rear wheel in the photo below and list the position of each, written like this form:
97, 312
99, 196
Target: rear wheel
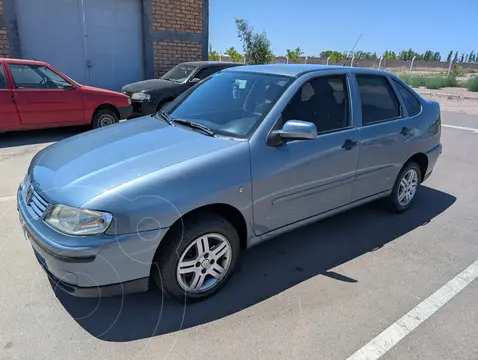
406, 188
104, 118
196, 263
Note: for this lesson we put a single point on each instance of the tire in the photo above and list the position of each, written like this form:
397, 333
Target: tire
184, 246
397, 203
104, 118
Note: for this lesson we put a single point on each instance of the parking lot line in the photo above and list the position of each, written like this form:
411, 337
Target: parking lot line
386, 340
7, 198
461, 128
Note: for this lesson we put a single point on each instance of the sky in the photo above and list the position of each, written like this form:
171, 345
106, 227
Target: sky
318, 25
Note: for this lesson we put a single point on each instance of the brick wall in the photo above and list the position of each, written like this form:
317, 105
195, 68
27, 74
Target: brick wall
177, 16
3, 35
168, 54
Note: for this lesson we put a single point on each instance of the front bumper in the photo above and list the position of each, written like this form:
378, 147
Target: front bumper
125, 112
146, 107
90, 266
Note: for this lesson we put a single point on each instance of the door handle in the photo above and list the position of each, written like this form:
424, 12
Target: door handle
13, 98
349, 144
405, 131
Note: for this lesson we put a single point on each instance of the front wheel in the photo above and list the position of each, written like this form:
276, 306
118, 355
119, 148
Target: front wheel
406, 188
104, 118
195, 263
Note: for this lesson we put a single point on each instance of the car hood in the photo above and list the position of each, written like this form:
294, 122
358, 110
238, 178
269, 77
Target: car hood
95, 90
80, 168
147, 85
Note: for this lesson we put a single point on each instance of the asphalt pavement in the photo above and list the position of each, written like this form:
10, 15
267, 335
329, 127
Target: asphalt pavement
363, 284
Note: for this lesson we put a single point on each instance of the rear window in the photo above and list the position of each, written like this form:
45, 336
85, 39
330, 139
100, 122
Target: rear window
411, 103
378, 99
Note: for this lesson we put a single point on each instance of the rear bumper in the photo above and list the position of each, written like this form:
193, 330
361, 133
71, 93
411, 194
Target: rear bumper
432, 156
125, 112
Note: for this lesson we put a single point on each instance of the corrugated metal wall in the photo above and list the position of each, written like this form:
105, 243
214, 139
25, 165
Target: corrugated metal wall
95, 42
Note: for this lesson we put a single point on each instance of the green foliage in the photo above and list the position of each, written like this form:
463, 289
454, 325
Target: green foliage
414, 80
335, 56
457, 70
389, 55
472, 84
257, 47
430, 82
234, 55
294, 55
213, 55
450, 54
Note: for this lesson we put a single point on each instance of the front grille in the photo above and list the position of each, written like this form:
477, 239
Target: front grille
36, 202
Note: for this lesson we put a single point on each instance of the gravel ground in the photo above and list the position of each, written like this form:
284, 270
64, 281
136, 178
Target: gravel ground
457, 100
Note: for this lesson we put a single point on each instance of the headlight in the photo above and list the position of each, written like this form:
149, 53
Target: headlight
140, 96
74, 221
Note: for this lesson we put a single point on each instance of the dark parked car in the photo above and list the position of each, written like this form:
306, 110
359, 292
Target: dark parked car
149, 96
249, 154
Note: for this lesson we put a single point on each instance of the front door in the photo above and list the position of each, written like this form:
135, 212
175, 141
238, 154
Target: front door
303, 178
43, 97
9, 118
383, 135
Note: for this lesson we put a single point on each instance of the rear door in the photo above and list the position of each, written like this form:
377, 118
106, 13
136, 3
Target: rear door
383, 134
43, 97
9, 118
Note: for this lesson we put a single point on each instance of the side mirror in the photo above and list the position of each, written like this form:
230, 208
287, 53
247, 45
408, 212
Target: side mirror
297, 130
68, 87
194, 80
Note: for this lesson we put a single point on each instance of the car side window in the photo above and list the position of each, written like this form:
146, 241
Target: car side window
204, 73
36, 77
411, 102
379, 102
323, 101
3, 79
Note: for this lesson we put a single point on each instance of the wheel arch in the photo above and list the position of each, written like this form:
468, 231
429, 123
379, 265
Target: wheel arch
229, 212
105, 106
422, 160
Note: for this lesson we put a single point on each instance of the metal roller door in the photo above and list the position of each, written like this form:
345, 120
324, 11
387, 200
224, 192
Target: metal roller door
95, 42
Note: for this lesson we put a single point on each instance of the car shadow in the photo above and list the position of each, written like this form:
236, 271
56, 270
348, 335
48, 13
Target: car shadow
263, 271
33, 137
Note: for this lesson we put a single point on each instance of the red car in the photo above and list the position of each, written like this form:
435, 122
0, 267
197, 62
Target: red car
35, 95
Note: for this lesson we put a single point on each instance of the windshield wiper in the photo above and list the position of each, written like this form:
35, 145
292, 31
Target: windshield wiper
165, 117
195, 125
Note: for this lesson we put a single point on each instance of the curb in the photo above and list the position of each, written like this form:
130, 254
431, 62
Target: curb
449, 96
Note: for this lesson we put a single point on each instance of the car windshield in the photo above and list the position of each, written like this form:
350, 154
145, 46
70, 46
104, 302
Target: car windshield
231, 103
179, 73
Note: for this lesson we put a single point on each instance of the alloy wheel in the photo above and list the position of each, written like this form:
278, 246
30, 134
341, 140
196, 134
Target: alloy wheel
204, 263
408, 187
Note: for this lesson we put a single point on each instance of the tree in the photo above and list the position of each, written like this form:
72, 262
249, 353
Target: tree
462, 57
234, 55
437, 56
213, 54
389, 55
450, 54
257, 47
294, 55
326, 53
455, 59
472, 57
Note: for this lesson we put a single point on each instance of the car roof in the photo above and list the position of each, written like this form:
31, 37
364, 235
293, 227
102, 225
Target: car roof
209, 63
296, 70
22, 61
